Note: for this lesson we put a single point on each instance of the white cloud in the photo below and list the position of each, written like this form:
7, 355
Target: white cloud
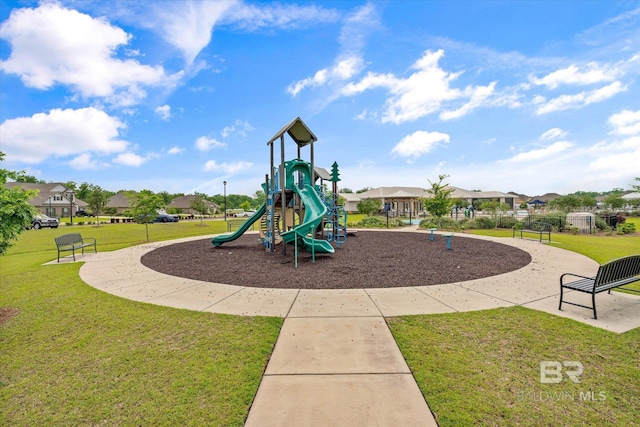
204, 143
130, 159
252, 17
175, 150
85, 162
425, 92
541, 153
240, 127
419, 143
478, 96
229, 168
53, 45
626, 122
552, 134
343, 70
582, 99
187, 25
619, 163
61, 133
349, 62
572, 75
164, 111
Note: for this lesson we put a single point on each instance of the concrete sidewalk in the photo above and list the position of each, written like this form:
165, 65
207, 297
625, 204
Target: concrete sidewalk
335, 361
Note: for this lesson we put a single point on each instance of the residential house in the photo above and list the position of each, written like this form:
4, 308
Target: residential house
120, 202
53, 199
183, 203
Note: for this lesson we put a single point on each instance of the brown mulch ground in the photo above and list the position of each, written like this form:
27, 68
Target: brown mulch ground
372, 259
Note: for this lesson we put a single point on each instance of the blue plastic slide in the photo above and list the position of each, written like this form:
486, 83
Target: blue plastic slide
219, 240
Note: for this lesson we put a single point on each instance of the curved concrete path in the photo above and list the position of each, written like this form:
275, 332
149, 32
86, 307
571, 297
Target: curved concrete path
335, 361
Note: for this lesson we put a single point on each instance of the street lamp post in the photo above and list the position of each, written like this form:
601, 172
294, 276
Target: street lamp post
225, 199
70, 195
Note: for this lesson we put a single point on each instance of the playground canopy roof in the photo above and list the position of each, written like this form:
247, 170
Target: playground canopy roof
298, 131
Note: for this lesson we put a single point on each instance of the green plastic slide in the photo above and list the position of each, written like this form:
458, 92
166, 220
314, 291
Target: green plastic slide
315, 210
219, 240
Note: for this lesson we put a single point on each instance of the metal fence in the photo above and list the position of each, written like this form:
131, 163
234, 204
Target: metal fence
583, 224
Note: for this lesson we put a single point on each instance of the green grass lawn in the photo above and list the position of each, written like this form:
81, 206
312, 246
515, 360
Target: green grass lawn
73, 355
483, 368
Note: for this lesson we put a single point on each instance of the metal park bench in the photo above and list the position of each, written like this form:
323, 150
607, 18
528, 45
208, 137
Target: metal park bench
71, 242
539, 228
613, 274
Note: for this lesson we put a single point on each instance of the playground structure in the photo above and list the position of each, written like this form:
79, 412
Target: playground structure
296, 210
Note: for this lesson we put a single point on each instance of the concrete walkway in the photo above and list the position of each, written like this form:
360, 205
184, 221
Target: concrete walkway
335, 361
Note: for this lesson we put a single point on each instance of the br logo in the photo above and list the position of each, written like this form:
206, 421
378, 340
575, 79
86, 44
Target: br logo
551, 371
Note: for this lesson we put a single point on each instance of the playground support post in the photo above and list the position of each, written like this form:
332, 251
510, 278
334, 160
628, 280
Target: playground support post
283, 195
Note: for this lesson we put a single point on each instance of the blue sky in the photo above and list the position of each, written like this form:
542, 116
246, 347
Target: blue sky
179, 96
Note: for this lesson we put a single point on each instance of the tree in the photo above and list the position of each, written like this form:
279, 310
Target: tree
145, 207
97, 200
29, 178
566, 203
166, 197
15, 211
440, 203
363, 189
368, 206
83, 191
493, 207
636, 187
614, 201
199, 204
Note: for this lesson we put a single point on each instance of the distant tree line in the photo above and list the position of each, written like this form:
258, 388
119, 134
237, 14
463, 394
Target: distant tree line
87, 192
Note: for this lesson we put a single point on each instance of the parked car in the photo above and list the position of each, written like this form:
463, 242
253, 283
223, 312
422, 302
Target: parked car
250, 212
41, 220
83, 213
165, 217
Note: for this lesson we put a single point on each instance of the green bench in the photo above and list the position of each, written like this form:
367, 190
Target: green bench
613, 274
72, 241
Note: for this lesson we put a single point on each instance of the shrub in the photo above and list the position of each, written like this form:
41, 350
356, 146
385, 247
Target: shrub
380, 222
427, 223
483, 223
601, 224
506, 222
626, 228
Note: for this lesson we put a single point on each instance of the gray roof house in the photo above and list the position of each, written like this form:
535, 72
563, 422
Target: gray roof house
53, 199
120, 202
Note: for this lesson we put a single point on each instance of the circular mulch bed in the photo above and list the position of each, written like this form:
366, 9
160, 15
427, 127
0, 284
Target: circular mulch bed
372, 259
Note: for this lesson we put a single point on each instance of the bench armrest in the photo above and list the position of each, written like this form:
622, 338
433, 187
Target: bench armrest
88, 238
575, 275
